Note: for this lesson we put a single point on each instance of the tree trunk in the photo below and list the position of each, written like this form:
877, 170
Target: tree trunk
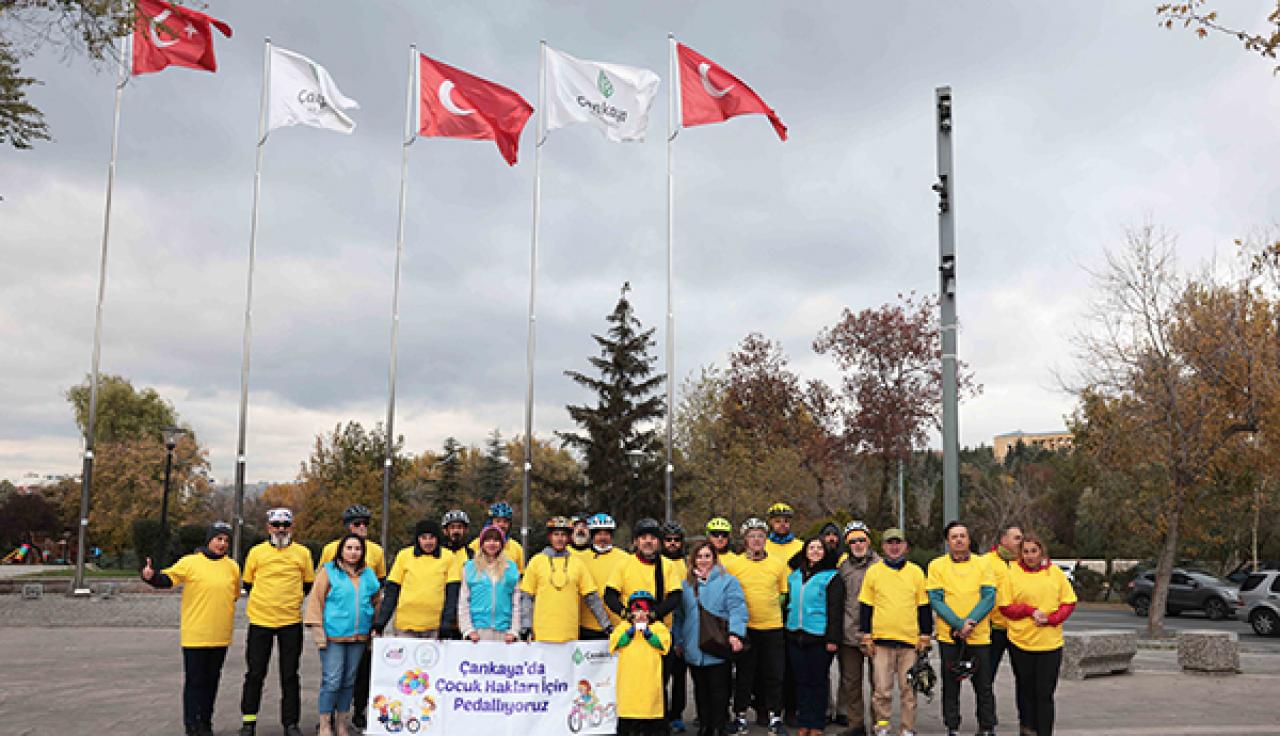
1164, 568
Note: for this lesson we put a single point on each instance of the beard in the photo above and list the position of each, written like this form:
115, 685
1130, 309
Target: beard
281, 539
581, 539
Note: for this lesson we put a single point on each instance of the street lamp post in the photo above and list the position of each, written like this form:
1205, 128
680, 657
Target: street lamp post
171, 435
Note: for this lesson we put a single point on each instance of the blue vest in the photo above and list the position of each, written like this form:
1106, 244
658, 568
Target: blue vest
490, 602
348, 612
808, 609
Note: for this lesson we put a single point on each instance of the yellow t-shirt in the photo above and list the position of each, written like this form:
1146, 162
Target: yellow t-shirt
373, 556
1000, 569
640, 683
895, 595
277, 576
1045, 590
961, 584
784, 552
422, 579
511, 549
557, 586
631, 575
763, 582
209, 592
601, 567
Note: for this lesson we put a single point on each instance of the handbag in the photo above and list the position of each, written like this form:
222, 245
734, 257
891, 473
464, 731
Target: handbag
713, 631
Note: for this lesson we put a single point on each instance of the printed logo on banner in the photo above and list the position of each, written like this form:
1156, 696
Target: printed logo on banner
427, 655
393, 655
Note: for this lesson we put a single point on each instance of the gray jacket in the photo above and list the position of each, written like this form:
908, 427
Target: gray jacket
852, 571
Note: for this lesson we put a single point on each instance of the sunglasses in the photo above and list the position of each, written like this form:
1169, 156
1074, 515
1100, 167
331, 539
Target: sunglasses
359, 523
281, 524
718, 534
673, 539
859, 540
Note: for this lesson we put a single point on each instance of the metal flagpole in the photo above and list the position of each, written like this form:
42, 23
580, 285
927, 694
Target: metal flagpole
672, 131
86, 474
533, 294
945, 187
237, 527
410, 135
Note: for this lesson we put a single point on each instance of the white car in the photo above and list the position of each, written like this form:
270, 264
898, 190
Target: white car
1260, 597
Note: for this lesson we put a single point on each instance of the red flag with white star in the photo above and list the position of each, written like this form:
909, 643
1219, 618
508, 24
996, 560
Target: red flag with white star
171, 35
710, 94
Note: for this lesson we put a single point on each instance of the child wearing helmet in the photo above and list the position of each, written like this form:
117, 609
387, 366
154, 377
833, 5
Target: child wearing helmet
500, 515
640, 648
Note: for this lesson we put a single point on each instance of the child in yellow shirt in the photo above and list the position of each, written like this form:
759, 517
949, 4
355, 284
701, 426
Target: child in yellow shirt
639, 648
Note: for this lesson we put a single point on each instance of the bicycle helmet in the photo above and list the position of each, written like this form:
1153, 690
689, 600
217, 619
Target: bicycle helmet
646, 526
455, 516
279, 516
672, 529
500, 510
601, 521
355, 513
921, 676
963, 667
856, 526
642, 595
754, 523
719, 524
781, 509
559, 523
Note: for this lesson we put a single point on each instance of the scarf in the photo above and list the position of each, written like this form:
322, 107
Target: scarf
777, 538
897, 564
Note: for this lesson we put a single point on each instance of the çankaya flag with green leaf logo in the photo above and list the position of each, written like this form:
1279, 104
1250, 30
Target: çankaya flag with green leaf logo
612, 97
303, 93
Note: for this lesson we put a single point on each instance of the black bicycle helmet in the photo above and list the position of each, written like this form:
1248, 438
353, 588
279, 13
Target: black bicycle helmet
672, 529
921, 676
355, 513
646, 526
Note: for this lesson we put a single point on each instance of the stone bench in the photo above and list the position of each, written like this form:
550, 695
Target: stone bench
1209, 651
1100, 652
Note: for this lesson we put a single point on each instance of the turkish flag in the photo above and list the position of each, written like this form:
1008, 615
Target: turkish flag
165, 35
709, 94
454, 104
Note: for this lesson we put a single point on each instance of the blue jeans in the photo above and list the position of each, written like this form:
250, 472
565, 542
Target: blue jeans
339, 662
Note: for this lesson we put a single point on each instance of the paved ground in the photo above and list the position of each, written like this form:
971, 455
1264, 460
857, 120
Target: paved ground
128, 680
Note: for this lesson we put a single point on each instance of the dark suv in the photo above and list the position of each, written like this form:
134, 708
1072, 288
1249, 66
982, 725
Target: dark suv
1189, 590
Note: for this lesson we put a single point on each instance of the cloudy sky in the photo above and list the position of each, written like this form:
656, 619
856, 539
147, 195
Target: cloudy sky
1073, 122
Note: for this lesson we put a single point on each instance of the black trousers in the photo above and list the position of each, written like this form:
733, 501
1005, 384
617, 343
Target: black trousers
586, 634
711, 687
981, 680
643, 727
360, 696
676, 687
257, 657
1037, 676
760, 668
811, 667
201, 670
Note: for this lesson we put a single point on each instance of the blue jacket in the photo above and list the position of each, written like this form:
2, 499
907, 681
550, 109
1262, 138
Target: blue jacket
347, 612
722, 596
491, 604
807, 598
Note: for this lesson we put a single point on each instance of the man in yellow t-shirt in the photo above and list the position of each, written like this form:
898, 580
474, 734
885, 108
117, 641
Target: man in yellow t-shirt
355, 519
962, 592
763, 578
600, 560
210, 583
646, 569
674, 669
556, 586
500, 515
640, 646
422, 580
897, 624
1002, 554
782, 544
277, 575
719, 531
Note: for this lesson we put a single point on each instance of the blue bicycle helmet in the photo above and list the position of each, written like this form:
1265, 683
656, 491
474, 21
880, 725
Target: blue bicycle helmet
500, 510
601, 521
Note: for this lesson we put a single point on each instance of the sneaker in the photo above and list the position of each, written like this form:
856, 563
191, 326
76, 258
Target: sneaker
248, 728
292, 730
738, 725
777, 727
986, 733
882, 728
677, 726
952, 732
841, 720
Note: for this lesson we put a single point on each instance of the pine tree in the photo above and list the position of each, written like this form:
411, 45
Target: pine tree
495, 471
629, 401
449, 487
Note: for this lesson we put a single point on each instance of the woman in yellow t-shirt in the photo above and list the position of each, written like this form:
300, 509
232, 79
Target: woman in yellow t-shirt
1036, 599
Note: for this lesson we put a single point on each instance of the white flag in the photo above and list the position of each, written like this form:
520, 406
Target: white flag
303, 93
614, 98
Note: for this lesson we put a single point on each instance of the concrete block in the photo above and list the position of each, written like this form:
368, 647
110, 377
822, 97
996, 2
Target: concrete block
1209, 651
1100, 652
32, 591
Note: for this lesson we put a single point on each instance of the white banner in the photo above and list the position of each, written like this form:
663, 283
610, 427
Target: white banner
460, 687
303, 93
612, 97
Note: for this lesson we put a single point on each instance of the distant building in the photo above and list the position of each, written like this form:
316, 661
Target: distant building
1044, 440
33, 482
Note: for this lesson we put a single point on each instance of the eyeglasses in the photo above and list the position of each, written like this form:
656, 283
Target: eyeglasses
859, 540
362, 522
281, 524
673, 539
718, 534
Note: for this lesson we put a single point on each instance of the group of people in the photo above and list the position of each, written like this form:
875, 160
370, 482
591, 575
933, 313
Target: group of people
756, 629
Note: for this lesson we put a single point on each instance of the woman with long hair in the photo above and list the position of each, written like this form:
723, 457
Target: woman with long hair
815, 625
489, 600
1036, 599
339, 614
708, 586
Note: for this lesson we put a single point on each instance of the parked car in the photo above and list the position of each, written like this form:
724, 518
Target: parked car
1068, 569
1189, 590
1242, 570
1260, 596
